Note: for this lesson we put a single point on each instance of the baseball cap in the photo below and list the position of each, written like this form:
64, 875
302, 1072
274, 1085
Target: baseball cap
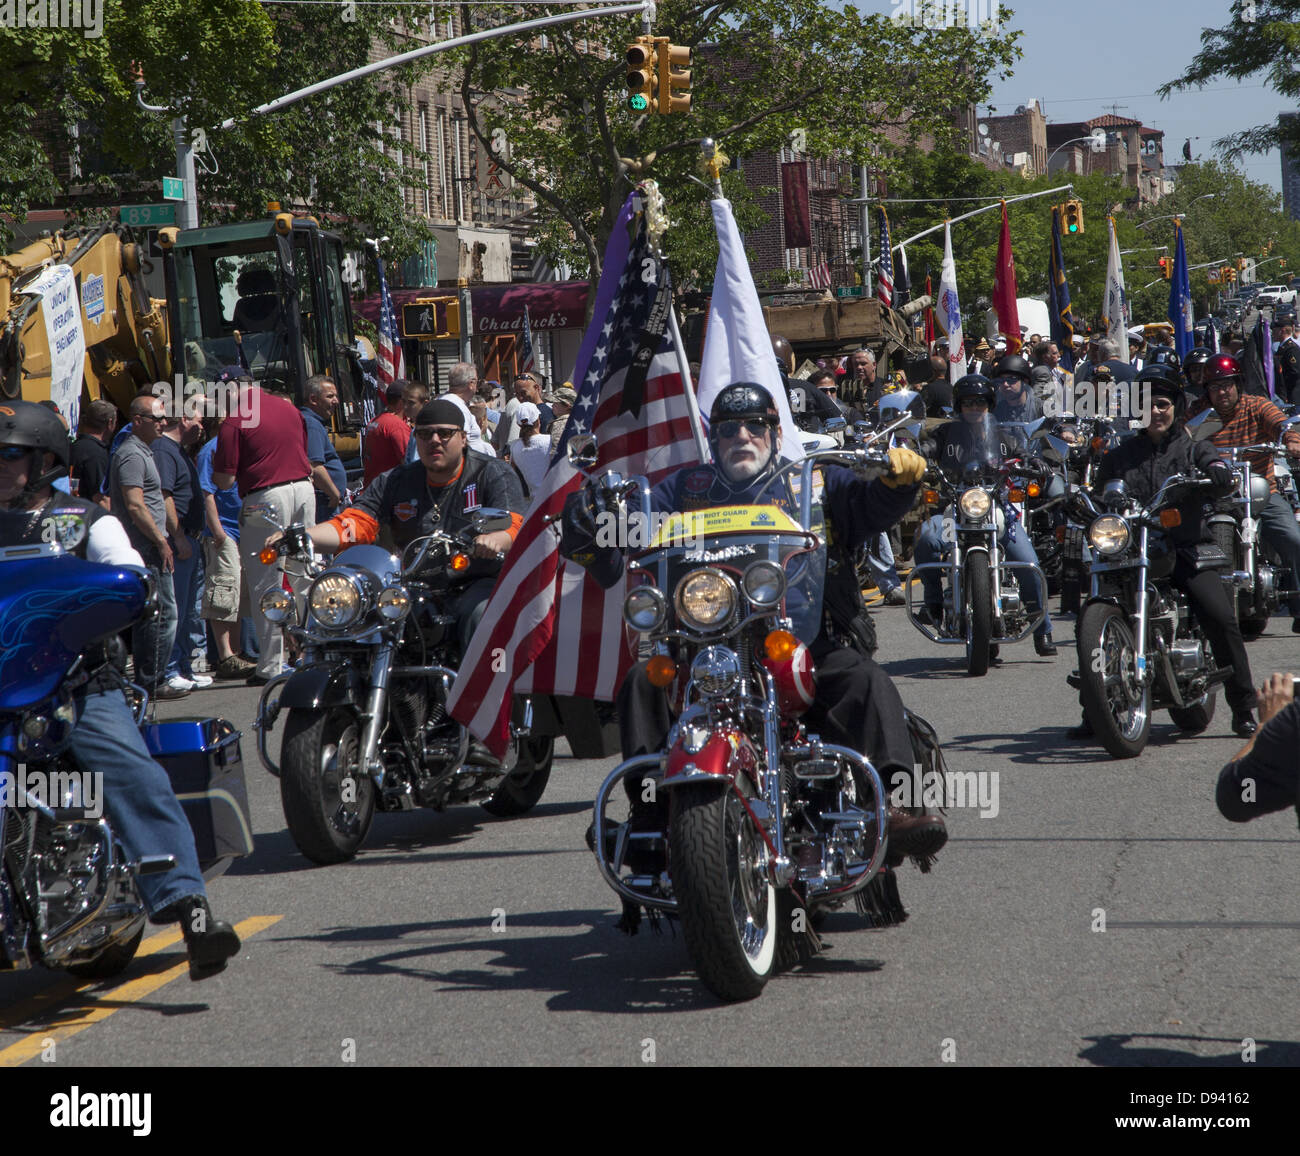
528, 414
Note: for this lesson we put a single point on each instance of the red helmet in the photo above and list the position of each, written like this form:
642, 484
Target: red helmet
1219, 367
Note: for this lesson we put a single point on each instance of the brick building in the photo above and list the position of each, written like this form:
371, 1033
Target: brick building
1133, 152
1291, 174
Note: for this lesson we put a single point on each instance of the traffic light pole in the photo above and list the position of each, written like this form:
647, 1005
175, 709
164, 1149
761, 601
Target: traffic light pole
985, 209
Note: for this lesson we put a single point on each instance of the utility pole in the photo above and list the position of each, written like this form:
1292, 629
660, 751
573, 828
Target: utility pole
188, 214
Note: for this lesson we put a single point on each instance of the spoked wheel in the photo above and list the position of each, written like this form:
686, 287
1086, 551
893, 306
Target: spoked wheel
725, 897
979, 614
1115, 701
328, 799
520, 790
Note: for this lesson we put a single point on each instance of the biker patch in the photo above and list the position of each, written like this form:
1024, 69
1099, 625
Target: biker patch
405, 511
698, 481
67, 529
471, 497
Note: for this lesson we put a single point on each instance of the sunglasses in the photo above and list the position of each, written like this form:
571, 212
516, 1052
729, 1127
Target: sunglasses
153, 417
1161, 403
443, 433
982, 402
757, 428
14, 453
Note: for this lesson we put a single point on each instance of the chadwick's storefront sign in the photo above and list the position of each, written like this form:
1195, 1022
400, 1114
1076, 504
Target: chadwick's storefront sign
499, 309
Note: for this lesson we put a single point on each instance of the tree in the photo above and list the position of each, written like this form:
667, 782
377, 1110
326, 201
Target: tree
210, 60
855, 85
1262, 38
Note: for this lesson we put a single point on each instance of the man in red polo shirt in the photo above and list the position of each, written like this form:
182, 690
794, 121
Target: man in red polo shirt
262, 445
388, 436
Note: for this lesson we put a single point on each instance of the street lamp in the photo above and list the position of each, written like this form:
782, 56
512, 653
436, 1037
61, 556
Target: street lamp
1179, 216
1092, 139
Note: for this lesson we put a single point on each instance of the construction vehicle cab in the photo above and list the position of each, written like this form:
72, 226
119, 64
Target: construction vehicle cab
267, 296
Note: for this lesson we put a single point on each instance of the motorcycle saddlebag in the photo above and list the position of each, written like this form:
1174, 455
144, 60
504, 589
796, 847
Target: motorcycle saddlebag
1208, 556
202, 759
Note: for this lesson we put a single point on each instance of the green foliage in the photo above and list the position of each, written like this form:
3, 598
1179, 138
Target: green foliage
762, 69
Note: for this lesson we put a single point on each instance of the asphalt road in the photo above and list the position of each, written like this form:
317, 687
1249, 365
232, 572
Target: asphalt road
457, 938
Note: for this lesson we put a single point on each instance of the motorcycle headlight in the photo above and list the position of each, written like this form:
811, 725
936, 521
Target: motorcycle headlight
393, 603
705, 599
277, 606
715, 671
645, 608
764, 584
1109, 534
335, 601
975, 504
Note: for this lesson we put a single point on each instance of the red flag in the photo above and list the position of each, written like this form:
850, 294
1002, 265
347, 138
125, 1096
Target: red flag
549, 627
794, 198
1004, 288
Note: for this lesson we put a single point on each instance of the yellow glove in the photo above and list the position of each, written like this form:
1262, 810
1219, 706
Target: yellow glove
908, 468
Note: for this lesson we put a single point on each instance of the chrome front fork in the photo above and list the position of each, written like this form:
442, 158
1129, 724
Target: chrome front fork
376, 714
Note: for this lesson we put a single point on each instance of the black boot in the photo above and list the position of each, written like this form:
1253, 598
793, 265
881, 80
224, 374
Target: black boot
210, 942
1044, 645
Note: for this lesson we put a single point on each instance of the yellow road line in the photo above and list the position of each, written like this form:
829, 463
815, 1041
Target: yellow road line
33, 1044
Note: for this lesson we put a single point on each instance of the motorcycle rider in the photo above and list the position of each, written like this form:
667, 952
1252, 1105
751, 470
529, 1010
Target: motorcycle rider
954, 442
145, 815
1194, 369
1251, 420
441, 491
1016, 400
1143, 463
855, 705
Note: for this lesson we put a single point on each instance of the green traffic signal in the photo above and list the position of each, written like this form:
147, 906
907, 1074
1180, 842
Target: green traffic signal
637, 103
1073, 227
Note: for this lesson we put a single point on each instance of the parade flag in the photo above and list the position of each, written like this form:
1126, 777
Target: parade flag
527, 360
929, 313
885, 272
902, 283
794, 198
390, 362
1257, 361
1004, 288
950, 309
819, 276
1058, 297
549, 628
1115, 309
1180, 297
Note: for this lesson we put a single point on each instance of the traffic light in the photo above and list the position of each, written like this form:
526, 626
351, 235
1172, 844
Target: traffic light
1281, 263
1241, 262
641, 75
1072, 218
1166, 268
674, 76
431, 317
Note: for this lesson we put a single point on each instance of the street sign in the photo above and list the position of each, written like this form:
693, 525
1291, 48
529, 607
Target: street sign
173, 189
849, 291
147, 215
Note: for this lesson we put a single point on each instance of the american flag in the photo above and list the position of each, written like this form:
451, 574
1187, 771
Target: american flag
527, 361
390, 361
549, 628
885, 276
819, 276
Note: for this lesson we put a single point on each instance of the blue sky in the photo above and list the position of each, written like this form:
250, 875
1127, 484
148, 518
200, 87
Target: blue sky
1080, 58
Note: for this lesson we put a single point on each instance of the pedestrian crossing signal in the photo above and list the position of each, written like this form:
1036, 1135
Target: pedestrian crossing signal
674, 77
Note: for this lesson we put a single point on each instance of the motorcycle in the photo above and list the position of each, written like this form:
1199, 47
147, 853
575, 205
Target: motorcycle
365, 724
765, 826
982, 601
68, 893
1140, 648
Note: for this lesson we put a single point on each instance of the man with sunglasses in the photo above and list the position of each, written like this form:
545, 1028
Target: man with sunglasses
441, 491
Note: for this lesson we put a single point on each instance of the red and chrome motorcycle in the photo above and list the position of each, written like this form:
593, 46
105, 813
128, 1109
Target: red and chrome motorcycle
744, 826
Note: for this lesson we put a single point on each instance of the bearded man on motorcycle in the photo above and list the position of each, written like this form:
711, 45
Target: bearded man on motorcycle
1143, 463
34, 451
855, 703
440, 491
1251, 420
955, 443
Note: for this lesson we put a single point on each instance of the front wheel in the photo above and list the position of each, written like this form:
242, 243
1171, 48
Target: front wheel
1115, 701
328, 799
979, 614
725, 896
520, 790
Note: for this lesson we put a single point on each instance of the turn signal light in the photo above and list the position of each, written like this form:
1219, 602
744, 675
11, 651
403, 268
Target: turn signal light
661, 670
459, 562
1016, 495
1170, 518
1096, 445
780, 645
267, 555
931, 497
1033, 489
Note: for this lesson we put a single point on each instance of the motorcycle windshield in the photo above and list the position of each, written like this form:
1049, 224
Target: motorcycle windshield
734, 538
975, 448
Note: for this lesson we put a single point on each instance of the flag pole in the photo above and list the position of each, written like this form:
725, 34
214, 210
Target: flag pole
684, 368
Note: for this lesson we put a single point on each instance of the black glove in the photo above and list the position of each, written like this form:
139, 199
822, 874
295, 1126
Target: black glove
1220, 475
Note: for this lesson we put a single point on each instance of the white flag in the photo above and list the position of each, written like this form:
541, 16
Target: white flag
736, 344
1116, 306
950, 310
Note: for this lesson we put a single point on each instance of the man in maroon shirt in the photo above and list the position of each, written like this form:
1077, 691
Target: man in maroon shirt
262, 446
387, 437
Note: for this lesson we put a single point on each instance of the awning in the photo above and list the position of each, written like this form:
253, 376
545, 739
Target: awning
499, 309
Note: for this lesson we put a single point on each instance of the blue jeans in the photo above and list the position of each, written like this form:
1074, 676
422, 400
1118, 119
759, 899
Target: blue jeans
1278, 527
138, 797
929, 547
153, 640
187, 582
880, 561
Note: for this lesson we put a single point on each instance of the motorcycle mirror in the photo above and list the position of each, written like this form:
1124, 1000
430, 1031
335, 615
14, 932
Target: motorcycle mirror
490, 519
1059, 446
583, 452
897, 402
834, 425
862, 428
1115, 492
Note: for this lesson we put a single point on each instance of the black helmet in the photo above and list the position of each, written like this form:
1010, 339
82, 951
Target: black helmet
970, 386
1012, 365
739, 401
24, 423
1161, 355
1220, 366
1198, 356
1167, 381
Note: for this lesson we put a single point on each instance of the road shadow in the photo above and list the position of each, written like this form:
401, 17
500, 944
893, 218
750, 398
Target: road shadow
582, 960
1041, 745
953, 664
1118, 1051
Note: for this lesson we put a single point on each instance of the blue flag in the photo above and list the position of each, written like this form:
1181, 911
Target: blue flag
1180, 298
1058, 297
